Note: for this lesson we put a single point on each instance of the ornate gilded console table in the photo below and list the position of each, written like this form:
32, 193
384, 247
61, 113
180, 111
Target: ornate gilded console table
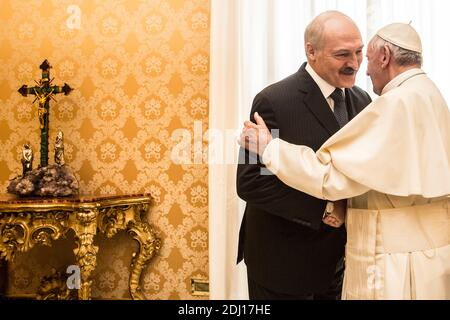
27, 222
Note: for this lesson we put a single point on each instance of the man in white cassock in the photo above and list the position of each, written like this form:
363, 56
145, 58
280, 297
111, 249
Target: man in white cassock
393, 161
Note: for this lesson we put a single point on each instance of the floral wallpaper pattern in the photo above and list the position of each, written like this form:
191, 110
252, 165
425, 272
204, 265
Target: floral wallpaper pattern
140, 72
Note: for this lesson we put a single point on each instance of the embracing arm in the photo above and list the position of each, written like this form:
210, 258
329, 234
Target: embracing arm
300, 167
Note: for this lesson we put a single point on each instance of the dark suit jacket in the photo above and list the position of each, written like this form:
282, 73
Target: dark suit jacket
286, 246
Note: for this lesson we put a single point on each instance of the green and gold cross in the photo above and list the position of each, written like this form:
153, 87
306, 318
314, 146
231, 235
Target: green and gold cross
44, 91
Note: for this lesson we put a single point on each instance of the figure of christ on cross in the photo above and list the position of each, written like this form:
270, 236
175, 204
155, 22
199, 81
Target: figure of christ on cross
44, 91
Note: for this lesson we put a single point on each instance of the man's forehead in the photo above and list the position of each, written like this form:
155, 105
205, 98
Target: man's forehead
345, 38
353, 45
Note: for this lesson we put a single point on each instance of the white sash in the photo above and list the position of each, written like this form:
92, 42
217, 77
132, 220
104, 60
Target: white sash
372, 235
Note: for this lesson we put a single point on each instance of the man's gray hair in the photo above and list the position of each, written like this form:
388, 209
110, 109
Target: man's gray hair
402, 57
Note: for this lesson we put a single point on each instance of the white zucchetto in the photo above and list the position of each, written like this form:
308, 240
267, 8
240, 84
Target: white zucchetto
402, 35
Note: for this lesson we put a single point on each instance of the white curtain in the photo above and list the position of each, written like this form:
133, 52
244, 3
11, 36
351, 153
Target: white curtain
257, 42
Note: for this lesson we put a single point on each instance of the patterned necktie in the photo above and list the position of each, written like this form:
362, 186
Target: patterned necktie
340, 108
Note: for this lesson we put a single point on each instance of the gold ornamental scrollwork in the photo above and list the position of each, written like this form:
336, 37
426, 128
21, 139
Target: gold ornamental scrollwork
13, 237
25, 223
21, 232
113, 220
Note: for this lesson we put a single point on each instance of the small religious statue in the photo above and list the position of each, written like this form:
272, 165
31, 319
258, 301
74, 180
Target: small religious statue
27, 158
59, 149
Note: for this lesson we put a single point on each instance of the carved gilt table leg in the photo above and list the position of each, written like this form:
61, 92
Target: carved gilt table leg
130, 217
86, 253
149, 244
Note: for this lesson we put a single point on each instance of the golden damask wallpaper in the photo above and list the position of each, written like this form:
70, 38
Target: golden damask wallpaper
140, 72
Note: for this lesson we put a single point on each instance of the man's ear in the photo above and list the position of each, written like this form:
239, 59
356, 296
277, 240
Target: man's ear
386, 56
310, 51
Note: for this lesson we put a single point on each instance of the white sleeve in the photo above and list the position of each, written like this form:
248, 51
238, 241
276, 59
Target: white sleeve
300, 168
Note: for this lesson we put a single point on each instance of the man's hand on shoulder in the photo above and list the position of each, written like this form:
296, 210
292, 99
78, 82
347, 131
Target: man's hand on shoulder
255, 137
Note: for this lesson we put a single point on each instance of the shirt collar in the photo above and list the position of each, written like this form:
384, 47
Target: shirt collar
324, 86
402, 77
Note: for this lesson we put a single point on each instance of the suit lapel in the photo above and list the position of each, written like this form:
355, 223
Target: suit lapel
316, 103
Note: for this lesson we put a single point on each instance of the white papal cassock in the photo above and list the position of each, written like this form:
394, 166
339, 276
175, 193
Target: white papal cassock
393, 160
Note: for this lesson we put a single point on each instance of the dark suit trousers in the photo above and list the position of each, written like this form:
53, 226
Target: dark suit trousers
258, 292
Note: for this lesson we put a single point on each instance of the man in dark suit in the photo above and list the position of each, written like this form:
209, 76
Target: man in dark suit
289, 251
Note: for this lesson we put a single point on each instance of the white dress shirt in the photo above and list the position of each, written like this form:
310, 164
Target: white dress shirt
326, 88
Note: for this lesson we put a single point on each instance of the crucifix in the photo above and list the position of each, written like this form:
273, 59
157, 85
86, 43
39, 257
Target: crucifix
44, 91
